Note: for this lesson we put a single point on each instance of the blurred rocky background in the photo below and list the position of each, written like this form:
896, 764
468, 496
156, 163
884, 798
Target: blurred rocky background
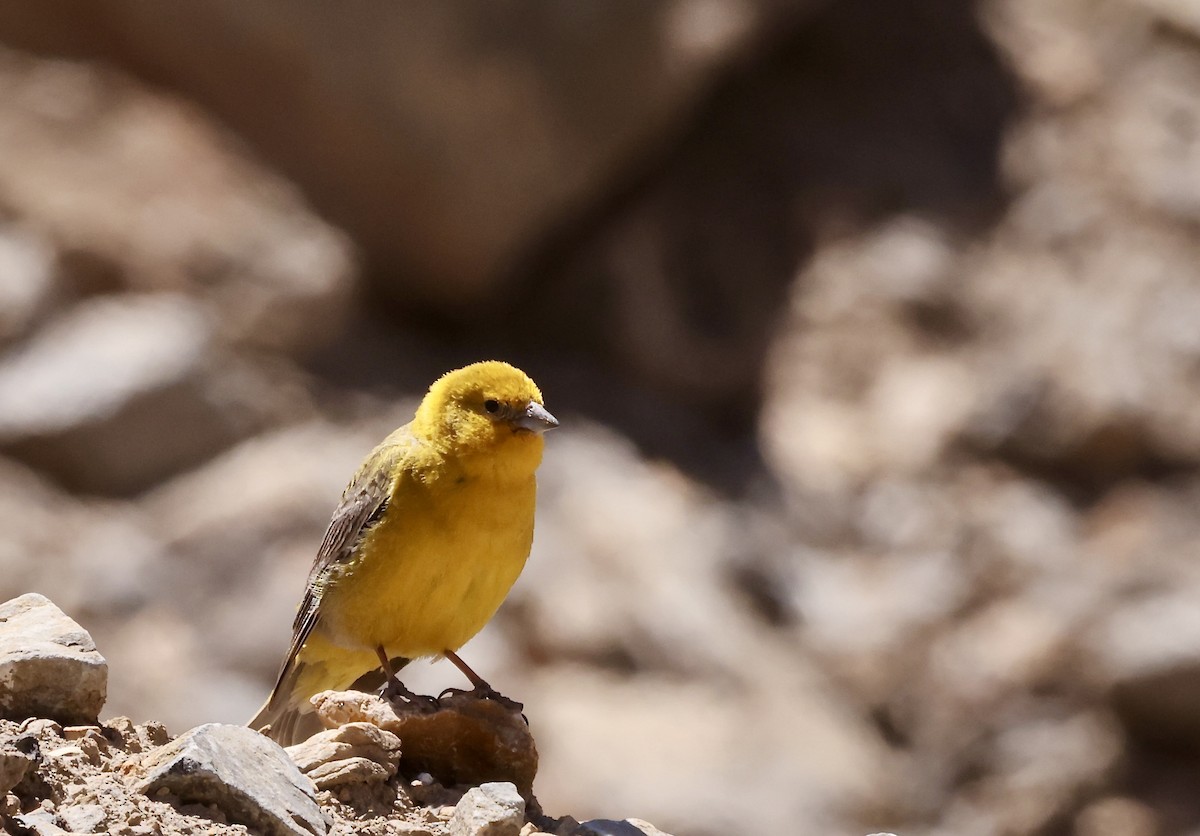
874, 328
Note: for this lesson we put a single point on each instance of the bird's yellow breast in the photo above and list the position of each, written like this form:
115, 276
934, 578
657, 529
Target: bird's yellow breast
437, 566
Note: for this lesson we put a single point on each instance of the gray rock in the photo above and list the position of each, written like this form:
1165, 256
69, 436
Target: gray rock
249, 778
624, 827
49, 665
114, 395
494, 809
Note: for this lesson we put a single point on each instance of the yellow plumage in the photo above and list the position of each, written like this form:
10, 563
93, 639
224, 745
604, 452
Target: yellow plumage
430, 535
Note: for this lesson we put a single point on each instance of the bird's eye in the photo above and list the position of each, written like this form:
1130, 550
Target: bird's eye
491, 405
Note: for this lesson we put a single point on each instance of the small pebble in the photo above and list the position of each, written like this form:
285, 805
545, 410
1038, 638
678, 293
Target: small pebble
491, 809
41, 725
90, 749
123, 732
77, 732
67, 753
155, 733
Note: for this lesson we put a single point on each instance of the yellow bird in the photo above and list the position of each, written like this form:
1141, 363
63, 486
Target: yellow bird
430, 535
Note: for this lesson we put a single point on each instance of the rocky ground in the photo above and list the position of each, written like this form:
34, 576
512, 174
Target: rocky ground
464, 769
876, 350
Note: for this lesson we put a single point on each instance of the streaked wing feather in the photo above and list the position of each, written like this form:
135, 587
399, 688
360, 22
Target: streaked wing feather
363, 503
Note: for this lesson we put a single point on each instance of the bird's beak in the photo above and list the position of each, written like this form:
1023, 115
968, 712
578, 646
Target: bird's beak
535, 418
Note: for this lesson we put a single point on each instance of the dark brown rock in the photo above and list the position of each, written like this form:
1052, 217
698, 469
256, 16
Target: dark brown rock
480, 126
467, 741
15, 760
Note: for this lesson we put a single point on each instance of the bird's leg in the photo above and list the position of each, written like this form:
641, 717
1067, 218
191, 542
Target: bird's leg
394, 689
481, 689
476, 680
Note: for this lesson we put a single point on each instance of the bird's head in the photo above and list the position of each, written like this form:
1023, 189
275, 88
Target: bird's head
485, 408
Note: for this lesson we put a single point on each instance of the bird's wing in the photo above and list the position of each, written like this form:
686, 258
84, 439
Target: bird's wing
363, 503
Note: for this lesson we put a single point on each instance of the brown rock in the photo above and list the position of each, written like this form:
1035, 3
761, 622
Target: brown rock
352, 753
49, 666
479, 129
1148, 649
181, 208
467, 741
16, 758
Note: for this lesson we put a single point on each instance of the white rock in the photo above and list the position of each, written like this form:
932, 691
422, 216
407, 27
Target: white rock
494, 809
83, 818
114, 394
26, 279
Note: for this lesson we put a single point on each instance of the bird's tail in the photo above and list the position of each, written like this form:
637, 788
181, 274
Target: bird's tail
288, 716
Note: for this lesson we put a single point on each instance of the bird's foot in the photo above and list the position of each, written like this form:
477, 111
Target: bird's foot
484, 692
395, 691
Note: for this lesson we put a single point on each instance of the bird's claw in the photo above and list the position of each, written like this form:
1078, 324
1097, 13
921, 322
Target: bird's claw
394, 691
483, 694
